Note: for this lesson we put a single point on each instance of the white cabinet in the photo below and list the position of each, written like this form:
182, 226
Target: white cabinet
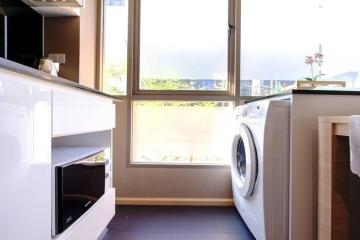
75, 113
25, 162
34, 116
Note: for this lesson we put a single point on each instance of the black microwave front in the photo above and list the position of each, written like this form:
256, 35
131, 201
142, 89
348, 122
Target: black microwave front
78, 185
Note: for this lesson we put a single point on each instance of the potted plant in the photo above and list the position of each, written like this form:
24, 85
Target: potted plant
313, 81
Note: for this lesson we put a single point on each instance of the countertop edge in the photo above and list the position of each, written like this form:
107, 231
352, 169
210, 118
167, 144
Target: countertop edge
268, 97
31, 72
308, 92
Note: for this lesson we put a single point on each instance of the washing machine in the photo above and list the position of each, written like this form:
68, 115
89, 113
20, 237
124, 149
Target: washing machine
260, 167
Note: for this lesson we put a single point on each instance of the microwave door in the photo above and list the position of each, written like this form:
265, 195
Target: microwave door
80, 185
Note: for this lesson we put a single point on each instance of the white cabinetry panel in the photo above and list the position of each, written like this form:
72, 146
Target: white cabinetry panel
75, 112
25, 147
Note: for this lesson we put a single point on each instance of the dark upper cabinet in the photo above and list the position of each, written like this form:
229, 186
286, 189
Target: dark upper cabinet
21, 34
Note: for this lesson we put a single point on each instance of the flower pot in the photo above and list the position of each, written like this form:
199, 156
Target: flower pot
308, 85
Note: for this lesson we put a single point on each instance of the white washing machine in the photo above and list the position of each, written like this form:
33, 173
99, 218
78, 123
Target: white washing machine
260, 167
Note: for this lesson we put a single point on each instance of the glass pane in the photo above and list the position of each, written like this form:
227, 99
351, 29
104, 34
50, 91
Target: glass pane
275, 38
340, 39
176, 132
183, 45
115, 46
241, 159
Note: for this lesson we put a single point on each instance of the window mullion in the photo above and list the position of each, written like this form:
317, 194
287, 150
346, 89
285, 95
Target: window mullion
237, 47
231, 47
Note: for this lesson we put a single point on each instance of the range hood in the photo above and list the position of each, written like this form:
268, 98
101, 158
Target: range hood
55, 3
56, 8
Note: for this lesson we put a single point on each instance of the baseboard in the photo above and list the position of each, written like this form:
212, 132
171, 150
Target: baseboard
176, 201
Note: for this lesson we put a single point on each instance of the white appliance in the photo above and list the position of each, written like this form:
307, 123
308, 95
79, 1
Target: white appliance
260, 167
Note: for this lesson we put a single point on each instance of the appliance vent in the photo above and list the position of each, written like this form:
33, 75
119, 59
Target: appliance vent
55, 3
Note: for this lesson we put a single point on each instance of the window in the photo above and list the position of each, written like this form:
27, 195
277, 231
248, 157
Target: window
340, 40
275, 38
182, 88
184, 45
181, 132
115, 47
186, 66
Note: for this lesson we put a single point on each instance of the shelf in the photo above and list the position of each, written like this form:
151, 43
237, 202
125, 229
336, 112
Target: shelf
64, 155
58, 11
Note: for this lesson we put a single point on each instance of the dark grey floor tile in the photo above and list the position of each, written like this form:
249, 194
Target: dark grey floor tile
173, 226
148, 226
230, 224
136, 236
118, 226
195, 236
185, 223
207, 226
210, 236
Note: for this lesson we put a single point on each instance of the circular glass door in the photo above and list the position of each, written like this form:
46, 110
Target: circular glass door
241, 159
244, 162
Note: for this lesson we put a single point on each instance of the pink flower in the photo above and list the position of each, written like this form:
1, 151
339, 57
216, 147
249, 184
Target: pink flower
309, 60
319, 55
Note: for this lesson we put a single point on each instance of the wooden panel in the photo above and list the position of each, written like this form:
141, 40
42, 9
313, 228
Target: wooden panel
88, 38
342, 129
334, 119
340, 189
333, 200
325, 181
62, 35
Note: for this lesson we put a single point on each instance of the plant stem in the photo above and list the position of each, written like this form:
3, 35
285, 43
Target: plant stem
312, 71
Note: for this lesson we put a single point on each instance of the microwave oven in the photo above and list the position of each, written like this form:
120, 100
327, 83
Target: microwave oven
78, 185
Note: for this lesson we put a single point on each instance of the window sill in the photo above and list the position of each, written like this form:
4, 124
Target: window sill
179, 165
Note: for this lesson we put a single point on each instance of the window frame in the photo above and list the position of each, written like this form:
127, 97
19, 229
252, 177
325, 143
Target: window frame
134, 94
135, 32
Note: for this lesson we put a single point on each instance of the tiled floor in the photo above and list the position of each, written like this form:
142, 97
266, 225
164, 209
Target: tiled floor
177, 223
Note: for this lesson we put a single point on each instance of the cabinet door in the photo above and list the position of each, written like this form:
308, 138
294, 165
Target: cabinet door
76, 112
25, 162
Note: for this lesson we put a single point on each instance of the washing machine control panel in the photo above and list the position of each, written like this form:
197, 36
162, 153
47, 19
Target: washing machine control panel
252, 110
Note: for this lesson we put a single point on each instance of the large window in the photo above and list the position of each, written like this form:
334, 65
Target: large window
186, 66
181, 132
184, 45
174, 56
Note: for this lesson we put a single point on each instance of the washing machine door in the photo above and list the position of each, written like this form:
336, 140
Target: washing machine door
244, 161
